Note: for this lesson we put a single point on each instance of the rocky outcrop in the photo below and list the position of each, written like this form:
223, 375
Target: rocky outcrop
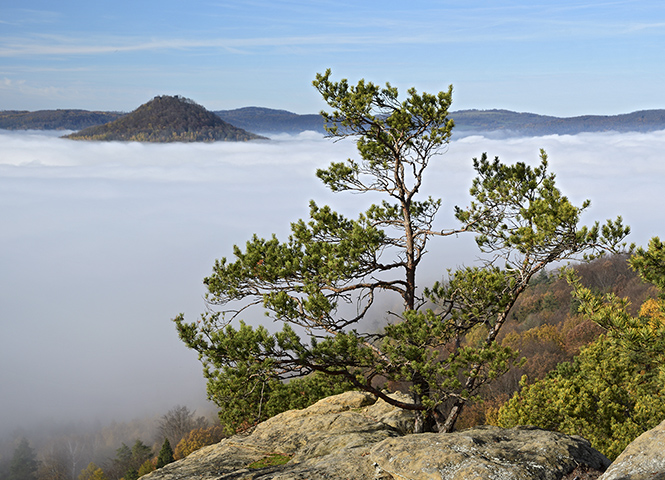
643, 459
353, 436
486, 453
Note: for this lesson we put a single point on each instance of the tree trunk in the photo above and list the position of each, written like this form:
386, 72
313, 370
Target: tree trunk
449, 425
423, 419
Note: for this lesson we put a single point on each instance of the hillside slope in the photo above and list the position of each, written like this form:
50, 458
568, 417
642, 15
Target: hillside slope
268, 120
167, 119
54, 119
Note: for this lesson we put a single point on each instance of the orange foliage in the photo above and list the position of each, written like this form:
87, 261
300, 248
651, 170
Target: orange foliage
654, 310
198, 438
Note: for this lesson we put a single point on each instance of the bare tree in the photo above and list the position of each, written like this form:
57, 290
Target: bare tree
178, 422
55, 464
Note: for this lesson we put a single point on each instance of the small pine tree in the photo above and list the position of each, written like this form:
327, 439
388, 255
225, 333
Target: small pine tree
165, 454
24, 463
132, 474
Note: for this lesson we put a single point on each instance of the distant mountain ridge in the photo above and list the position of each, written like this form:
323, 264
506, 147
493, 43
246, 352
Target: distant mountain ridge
269, 121
167, 119
54, 119
467, 122
531, 124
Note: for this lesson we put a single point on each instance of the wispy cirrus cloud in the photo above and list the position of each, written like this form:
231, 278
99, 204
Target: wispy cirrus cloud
22, 17
86, 46
469, 25
23, 87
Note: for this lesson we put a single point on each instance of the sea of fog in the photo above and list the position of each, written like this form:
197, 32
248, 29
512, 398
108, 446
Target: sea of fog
102, 244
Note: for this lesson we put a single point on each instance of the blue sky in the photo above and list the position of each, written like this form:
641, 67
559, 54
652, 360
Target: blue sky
561, 58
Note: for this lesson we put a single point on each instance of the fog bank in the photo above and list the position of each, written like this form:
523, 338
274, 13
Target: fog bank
103, 243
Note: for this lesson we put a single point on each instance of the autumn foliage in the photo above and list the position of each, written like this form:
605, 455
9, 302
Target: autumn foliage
612, 391
196, 439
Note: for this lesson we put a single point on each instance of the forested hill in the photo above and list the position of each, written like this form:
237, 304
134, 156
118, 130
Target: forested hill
270, 121
167, 119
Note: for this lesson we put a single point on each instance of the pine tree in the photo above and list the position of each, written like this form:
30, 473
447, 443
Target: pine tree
327, 276
165, 454
24, 463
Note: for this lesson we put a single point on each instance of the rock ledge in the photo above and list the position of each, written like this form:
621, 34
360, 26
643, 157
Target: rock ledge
354, 436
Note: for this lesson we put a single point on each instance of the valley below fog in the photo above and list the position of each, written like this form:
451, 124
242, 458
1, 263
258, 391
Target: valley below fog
102, 244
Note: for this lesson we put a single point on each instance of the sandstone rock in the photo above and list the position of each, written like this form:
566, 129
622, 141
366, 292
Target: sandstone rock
399, 419
486, 452
353, 436
643, 459
322, 440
